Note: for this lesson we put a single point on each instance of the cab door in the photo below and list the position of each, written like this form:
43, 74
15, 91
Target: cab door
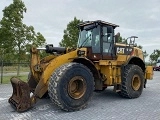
107, 41
94, 51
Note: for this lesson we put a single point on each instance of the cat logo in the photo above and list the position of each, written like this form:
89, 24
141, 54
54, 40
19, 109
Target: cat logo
120, 50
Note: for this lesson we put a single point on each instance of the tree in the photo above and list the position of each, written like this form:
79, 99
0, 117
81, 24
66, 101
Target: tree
70, 37
145, 54
15, 35
154, 56
120, 39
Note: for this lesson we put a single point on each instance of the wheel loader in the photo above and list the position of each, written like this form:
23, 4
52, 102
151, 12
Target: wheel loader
70, 75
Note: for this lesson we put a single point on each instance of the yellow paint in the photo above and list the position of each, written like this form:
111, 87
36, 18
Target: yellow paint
138, 52
149, 72
110, 69
113, 74
42, 86
34, 61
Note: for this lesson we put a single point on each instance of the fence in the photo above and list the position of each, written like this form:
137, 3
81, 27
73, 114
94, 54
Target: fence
10, 69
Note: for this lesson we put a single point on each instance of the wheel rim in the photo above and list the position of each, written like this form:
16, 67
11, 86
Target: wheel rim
77, 87
136, 82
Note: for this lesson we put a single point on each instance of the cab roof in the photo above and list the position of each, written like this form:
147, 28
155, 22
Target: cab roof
99, 22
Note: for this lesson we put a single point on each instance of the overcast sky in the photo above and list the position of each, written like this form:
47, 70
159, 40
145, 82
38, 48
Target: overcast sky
135, 17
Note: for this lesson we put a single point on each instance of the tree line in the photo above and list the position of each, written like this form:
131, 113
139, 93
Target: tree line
16, 38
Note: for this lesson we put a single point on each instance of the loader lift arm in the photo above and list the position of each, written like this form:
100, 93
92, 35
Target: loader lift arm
21, 98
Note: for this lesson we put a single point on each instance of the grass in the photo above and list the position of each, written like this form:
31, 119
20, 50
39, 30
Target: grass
13, 69
6, 79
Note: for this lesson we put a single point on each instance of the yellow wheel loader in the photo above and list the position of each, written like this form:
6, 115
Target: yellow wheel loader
71, 75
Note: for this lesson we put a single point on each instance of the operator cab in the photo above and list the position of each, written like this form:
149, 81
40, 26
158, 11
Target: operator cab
98, 38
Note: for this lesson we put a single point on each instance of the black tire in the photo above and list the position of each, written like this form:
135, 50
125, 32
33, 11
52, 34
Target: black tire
59, 86
132, 82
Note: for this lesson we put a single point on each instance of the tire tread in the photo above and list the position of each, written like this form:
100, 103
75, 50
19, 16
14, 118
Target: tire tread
54, 82
124, 88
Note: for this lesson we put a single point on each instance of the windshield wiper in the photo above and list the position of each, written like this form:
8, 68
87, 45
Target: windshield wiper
83, 43
87, 29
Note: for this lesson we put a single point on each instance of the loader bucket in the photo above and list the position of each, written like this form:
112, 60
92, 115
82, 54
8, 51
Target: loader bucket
20, 98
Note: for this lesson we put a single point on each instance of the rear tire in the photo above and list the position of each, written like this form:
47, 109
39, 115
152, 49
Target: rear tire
71, 86
132, 82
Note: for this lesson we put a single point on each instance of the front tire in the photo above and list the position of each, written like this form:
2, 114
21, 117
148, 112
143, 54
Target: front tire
132, 82
71, 86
